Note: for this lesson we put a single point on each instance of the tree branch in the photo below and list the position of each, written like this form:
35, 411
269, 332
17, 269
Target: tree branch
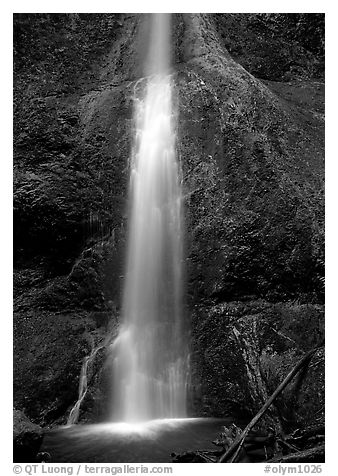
238, 442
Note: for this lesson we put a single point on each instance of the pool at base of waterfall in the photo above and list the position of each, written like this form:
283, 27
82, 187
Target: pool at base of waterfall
147, 442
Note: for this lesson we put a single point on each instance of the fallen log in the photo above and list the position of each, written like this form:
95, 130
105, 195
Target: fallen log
316, 454
233, 451
201, 456
206, 456
300, 436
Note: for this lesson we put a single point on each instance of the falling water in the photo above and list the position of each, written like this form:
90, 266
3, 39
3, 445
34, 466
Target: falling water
149, 354
83, 385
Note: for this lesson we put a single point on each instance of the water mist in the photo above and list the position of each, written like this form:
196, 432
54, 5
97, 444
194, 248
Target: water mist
149, 352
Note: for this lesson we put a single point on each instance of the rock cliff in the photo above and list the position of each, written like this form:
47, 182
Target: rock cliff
249, 101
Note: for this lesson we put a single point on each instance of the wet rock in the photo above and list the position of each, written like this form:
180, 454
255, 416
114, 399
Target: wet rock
27, 438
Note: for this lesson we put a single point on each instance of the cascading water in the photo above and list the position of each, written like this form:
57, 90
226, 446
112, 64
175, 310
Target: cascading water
149, 352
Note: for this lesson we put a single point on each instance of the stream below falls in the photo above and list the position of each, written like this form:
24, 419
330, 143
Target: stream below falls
149, 442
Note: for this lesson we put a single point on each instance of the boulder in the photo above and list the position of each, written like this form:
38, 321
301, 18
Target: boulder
27, 438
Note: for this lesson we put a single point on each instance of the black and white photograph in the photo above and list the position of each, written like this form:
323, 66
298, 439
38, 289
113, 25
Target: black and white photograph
168, 241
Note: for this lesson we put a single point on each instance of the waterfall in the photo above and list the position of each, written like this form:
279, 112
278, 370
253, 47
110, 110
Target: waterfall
149, 353
83, 385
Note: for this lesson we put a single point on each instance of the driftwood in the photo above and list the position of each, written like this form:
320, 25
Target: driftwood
301, 436
315, 454
206, 456
233, 451
201, 456
303, 445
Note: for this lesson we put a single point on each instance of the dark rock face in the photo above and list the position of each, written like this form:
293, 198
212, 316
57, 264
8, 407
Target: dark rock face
27, 438
250, 141
253, 168
275, 46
